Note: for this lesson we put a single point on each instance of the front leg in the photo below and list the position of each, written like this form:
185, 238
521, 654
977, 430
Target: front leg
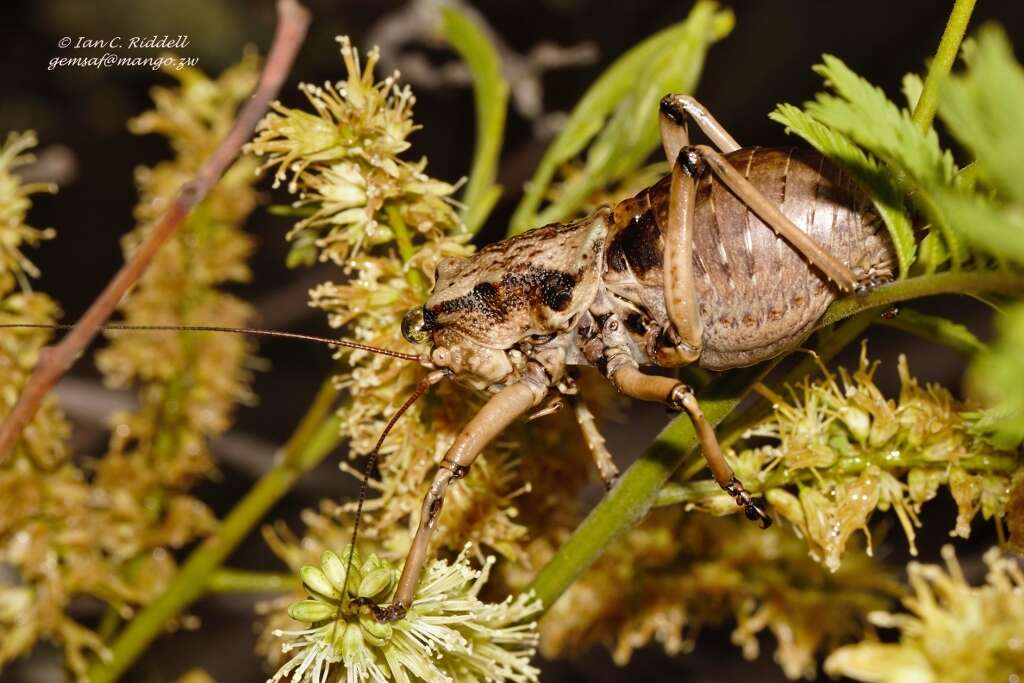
499, 412
631, 382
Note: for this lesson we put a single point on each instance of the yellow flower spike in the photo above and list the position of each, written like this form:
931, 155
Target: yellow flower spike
847, 451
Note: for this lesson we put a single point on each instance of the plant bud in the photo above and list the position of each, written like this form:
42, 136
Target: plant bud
787, 505
352, 639
376, 582
376, 633
316, 582
312, 611
334, 568
857, 421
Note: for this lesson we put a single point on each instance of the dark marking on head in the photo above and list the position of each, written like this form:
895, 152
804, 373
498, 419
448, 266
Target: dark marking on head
514, 291
557, 290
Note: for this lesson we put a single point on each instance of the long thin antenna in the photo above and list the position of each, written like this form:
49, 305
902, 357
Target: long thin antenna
371, 462
347, 343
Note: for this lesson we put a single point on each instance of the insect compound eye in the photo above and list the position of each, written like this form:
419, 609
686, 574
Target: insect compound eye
413, 328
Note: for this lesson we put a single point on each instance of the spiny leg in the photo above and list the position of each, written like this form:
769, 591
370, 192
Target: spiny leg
636, 384
676, 110
678, 280
499, 412
606, 466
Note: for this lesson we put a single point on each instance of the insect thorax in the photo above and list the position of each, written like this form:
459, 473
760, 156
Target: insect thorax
512, 308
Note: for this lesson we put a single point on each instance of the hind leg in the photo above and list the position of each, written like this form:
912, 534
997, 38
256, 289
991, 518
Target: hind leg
689, 162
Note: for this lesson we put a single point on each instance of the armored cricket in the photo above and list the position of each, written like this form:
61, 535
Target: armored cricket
729, 260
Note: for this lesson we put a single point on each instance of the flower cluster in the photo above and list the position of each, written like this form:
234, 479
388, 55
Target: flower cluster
191, 382
678, 572
841, 450
953, 632
345, 165
387, 225
105, 528
448, 635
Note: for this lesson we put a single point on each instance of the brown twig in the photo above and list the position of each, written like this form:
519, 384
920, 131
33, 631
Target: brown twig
293, 20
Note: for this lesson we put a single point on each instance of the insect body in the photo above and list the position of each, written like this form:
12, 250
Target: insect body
729, 260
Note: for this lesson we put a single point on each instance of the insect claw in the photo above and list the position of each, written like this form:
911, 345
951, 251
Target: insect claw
549, 408
754, 513
384, 614
752, 509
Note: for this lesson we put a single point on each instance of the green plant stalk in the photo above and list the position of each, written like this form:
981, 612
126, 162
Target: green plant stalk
490, 95
314, 438
638, 488
631, 498
959, 282
705, 489
243, 581
414, 276
949, 46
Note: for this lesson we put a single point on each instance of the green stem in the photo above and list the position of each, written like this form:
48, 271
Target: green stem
490, 95
243, 581
706, 489
631, 498
949, 46
315, 437
406, 249
959, 282
638, 487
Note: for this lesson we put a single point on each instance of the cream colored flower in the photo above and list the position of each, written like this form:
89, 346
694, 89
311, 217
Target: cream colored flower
952, 632
448, 635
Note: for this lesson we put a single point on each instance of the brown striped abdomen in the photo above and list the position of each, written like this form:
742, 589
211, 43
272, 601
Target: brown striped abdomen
758, 296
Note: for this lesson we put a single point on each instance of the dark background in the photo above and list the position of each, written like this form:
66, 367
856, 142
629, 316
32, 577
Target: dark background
82, 113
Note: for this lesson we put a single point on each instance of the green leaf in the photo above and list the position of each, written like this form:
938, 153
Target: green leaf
621, 110
877, 180
984, 110
863, 113
912, 88
938, 329
995, 378
490, 94
993, 228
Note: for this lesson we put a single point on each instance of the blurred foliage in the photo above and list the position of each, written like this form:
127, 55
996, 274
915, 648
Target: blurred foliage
490, 95
105, 528
618, 116
954, 632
